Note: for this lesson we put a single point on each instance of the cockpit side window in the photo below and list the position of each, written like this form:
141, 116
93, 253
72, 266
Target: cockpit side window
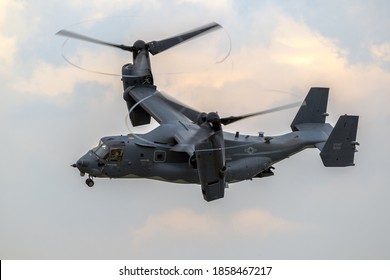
116, 154
104, 151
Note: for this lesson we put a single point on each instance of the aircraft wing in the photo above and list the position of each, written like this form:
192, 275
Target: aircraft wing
153, 102
177, 117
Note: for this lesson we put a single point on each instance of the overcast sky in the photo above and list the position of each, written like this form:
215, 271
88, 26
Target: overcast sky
51, 113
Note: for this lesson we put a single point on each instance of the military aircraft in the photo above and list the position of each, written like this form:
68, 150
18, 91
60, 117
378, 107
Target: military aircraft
190, 146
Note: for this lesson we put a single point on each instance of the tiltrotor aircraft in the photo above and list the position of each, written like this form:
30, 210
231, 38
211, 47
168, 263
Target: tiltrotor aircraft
190, 146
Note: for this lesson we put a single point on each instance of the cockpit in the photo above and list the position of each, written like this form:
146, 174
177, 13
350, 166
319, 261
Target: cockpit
109, 152
104, 160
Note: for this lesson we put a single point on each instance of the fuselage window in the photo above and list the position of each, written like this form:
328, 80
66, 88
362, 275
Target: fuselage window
159, 156
116, 154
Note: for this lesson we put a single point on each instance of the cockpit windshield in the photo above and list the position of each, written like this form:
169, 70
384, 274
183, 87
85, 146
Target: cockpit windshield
101, 150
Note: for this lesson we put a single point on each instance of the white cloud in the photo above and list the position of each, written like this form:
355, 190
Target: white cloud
154, 8
261, 223
177, 223
174, 233
102, 8
50, 80
185, 224
7, 53
381, 52
7, 7
55, 81
296, 44
218, 5
9, 13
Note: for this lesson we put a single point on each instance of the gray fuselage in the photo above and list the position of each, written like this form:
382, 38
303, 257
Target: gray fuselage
149, 156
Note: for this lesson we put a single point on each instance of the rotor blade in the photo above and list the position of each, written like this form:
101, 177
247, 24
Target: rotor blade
77, 36
156, 47
232, 119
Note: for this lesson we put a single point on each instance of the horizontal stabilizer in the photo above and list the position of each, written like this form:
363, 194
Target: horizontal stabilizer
340, 148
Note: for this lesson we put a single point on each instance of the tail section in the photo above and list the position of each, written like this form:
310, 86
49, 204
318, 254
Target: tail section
340, 148
313, 109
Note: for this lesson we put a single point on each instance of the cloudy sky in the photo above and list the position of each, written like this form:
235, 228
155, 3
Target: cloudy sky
51, 113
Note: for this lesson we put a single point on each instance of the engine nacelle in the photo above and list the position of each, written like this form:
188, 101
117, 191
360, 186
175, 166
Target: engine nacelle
210, 159
131, 77
138, 116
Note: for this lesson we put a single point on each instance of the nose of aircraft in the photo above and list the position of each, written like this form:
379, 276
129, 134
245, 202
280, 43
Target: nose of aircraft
90, 164
82, 163
87, 164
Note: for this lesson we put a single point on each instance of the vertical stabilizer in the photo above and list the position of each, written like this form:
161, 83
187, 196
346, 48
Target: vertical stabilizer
340, 148
313, 109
